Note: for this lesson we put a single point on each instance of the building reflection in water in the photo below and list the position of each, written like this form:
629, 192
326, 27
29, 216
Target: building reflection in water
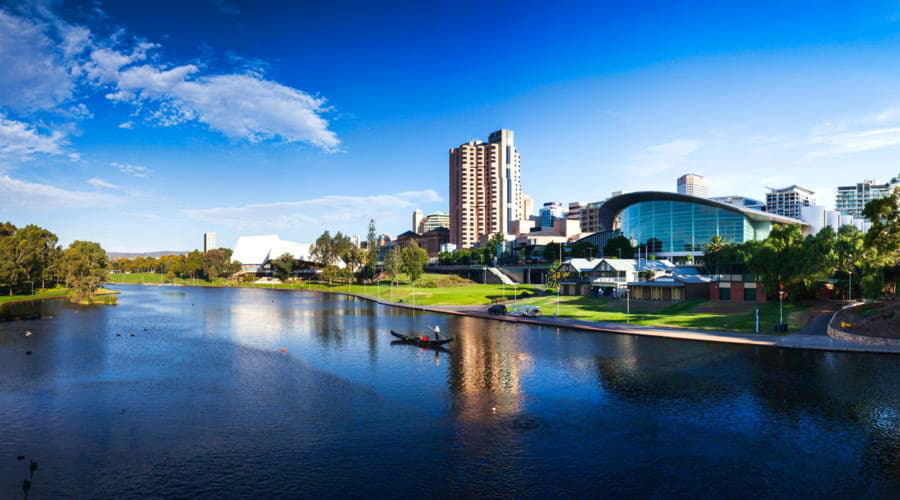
485, 371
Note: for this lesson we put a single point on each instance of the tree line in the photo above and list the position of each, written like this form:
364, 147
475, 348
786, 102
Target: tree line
31, 259
213, 264
866, 263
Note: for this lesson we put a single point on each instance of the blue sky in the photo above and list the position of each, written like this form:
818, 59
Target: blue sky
143, 125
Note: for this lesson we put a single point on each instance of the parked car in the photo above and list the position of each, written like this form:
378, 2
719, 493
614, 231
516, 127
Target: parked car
497, 309
525, 310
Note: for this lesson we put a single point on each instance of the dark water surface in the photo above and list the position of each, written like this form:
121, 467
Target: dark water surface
202, 403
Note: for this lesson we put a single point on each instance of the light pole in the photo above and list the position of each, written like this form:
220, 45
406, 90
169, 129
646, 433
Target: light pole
850, 286
558, 278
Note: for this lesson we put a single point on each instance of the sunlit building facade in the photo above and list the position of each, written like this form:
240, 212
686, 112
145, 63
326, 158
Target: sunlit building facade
672, 225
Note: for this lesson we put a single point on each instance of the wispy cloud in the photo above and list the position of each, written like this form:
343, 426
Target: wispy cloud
127, 125
101, 184
16, 192
323, 211
662, 157
21, 141
135, 170
855, 135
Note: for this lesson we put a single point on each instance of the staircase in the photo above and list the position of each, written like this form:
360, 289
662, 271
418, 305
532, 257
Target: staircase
502, 277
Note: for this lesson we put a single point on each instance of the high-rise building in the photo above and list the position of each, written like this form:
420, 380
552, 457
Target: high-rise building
209, 242
575, 208
434, 221
693, 184
527, 206
787, 201
417, 222
551, 211
851, 200
485, 188
590, 218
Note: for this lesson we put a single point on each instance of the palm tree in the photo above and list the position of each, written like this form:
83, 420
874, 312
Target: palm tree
713, 251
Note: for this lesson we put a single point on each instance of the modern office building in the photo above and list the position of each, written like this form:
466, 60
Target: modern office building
434, 221
590, 217
693, 184
670, 225
418, 221
527, 206
818, 218
787, 201
485, 188
209, 242
851, 200
550, 212
741, 201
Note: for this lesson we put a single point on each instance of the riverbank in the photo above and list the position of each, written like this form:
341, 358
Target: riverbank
49, 293
789, 341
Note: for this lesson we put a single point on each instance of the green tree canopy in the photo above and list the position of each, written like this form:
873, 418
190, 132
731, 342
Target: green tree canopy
618, 247
414, 259
86, 267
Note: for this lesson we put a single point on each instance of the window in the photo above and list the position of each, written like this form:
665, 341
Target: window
724, 293
750, 294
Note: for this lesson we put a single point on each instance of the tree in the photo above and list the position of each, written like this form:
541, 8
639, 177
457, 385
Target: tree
414, 258
217, 262
86, 268
850, 250
370, 267
393, 264
555, 275
712, 253
778, 260
884, 235
819, 259
552, 251
584, 250
324, 250
283, 266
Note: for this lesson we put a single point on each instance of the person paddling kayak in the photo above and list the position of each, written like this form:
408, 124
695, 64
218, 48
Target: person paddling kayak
437, 332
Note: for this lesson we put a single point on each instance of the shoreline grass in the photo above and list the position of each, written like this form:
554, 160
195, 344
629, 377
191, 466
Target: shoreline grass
693, 314
58, 292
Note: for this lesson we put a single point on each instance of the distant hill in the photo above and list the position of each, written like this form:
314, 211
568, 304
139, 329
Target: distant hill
131, 255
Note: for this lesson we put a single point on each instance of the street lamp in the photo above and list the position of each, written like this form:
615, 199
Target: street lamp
850, 286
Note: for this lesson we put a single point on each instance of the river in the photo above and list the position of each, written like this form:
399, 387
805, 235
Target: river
215, 393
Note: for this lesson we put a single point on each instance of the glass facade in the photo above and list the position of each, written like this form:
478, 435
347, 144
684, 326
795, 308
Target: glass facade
679, 227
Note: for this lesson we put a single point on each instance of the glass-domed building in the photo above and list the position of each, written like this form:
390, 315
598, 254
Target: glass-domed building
670, 225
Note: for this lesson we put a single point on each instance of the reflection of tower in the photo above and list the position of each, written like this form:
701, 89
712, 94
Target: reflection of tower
486, 371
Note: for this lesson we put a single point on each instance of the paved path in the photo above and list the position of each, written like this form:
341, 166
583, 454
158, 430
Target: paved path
821, 314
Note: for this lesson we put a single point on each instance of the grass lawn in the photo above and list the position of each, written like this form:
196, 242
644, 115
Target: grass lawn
699, 314
47, 293
424, 293
52, 293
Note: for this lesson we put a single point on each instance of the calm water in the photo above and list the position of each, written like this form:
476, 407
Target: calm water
201, 402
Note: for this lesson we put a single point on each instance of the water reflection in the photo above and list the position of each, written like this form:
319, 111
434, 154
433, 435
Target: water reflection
305, 392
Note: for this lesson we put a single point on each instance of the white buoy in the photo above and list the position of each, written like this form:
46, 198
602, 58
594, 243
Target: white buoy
27, 333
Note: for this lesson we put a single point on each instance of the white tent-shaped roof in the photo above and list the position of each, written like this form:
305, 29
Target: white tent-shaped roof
257, 250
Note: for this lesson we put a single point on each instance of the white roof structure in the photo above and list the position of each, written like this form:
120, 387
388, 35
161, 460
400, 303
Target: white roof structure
257, 250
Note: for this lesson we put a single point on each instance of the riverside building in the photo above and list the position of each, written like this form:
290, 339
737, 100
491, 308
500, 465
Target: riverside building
485, 188
671, 225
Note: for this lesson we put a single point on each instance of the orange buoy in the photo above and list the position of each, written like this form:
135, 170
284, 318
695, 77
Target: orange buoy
283, 349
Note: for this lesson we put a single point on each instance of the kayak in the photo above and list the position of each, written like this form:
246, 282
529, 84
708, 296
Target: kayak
421, 341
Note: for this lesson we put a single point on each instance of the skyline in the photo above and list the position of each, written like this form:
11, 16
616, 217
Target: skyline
239, 119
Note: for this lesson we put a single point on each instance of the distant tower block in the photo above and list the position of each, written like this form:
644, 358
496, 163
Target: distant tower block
209, 242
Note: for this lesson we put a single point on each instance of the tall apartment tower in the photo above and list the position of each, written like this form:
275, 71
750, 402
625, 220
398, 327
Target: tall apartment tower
851, 200
418, 221
787, 201
485, 188
209, 242
527, 207
693, 184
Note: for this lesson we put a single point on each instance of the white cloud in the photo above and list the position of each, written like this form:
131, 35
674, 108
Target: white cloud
661, 157
19, 192
241, 106
34, 75
324, 211
854, 142
135, 170
127, 125
101, 184
20, 141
